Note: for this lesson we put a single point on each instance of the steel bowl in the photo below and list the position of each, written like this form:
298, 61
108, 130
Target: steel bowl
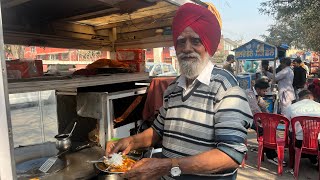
63, 142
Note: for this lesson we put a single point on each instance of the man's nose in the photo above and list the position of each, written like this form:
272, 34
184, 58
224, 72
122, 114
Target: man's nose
188, 47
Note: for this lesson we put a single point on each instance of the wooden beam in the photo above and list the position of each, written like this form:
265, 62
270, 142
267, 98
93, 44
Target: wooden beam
32, 39
136, 35
151, 42
111, 2
160, 8
12, 3
145, 26
72, 27
91, 15
74, 35
136, 21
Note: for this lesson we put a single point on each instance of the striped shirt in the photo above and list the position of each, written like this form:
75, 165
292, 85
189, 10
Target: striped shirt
211, 116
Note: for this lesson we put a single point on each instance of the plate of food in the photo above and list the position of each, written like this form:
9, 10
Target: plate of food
116, 163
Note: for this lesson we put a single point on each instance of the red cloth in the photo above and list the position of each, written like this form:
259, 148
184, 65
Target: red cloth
202, 21
155, 97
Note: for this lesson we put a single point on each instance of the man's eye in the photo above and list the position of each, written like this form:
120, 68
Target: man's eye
196, 41
181, 41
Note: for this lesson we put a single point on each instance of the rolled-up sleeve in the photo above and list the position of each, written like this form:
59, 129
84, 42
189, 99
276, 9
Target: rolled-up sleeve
232, 119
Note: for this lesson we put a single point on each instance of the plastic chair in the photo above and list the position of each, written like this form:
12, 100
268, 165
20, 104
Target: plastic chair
270, 139
311, 129
243, 164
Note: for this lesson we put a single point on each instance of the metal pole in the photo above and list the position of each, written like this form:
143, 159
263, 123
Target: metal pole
274, 71
7, 163
41, 117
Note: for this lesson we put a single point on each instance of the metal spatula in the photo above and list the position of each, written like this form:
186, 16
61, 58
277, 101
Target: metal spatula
50, 162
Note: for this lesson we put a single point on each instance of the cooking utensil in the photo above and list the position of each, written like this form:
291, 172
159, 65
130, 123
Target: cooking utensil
30, 168
84, 146
98, 161
69, 134
50, 162
63, 141
63, 144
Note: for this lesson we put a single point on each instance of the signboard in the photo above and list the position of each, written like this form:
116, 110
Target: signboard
256, 50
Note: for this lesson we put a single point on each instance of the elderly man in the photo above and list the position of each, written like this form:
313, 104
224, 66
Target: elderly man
204, 119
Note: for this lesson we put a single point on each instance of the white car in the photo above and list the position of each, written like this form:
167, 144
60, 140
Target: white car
160, 69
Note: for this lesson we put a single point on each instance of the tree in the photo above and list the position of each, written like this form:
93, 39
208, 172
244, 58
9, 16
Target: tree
297, 22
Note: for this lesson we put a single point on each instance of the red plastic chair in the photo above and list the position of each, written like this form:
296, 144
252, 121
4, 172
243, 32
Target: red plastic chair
269, 123
243, 164
311, 129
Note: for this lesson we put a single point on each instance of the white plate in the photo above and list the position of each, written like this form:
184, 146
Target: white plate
104, 170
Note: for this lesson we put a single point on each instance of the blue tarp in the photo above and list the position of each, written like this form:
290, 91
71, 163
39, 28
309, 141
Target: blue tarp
256, 50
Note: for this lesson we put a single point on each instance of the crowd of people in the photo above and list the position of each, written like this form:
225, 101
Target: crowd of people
296, 97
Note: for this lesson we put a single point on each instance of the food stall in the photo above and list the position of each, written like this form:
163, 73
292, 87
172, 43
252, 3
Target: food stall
99, 25
251, 52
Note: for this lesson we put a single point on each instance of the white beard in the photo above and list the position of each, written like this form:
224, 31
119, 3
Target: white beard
192, 68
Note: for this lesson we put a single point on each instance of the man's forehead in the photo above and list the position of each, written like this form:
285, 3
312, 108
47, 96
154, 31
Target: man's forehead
188, 32
191, 35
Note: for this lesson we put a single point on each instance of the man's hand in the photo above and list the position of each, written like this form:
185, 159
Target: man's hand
124, 145
148, 169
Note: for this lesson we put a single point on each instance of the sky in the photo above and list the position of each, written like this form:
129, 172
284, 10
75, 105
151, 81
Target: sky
241, 19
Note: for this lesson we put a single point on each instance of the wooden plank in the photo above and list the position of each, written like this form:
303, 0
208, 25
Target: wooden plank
147, 19
32, 39
12, 3
151, 42
76, 82
91, 15
144, 26
73, 35
160, 8
136, 35
72, 27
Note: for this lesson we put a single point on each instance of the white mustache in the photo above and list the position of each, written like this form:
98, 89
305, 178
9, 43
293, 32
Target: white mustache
188, 55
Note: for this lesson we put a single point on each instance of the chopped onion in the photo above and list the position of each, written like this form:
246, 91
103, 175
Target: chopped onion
115, 160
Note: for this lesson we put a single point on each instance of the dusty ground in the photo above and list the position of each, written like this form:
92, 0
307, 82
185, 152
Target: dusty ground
269, 171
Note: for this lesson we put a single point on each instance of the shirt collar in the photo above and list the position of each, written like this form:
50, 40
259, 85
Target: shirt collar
204, 77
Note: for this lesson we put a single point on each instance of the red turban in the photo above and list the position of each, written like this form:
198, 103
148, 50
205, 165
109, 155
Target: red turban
202, 21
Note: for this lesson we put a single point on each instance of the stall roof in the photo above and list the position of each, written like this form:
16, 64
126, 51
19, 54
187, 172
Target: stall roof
95, 24
256, 50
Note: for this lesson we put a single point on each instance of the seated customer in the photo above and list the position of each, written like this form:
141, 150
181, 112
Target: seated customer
255, 96
257, 105
306, 106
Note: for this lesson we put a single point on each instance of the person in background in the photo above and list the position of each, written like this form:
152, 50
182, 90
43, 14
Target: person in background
304, 66
266, 68
257, 105
306, 106
256, 94
314, 87
228, 64
300, 76
284, 79
205, 113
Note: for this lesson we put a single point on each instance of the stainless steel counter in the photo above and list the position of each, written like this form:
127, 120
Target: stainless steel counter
77, 167
72, 83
